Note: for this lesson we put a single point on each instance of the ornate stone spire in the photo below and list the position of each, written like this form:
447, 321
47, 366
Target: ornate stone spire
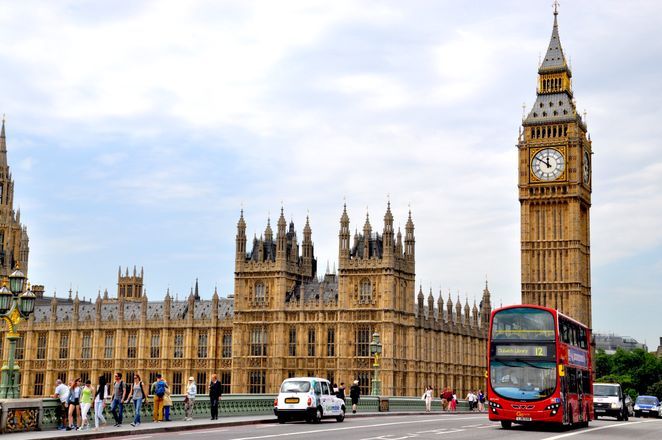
554, 58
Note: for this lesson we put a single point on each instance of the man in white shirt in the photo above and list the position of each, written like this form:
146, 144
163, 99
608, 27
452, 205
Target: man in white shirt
62, 393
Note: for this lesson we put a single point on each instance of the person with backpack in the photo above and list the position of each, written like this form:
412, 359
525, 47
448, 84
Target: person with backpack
158, 390
137, 395
119, 396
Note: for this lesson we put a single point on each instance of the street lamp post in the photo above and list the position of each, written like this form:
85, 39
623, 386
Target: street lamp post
376, 351
15, 306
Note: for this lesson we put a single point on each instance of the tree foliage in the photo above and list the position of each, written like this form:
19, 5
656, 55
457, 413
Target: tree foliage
638, 371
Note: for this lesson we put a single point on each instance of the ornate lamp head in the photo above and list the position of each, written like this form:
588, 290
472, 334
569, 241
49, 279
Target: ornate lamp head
5, 298
16, 281
26, 302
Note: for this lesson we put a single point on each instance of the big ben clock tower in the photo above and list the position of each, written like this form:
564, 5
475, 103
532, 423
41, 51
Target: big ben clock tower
555, 193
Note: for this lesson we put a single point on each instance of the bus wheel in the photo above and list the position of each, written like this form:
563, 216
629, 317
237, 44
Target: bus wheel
506, 424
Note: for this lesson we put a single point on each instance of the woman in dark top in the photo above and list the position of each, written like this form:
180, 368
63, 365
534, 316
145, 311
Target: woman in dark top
100, 403
354, 394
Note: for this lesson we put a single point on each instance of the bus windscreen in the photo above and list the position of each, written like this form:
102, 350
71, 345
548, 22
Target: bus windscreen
523, 323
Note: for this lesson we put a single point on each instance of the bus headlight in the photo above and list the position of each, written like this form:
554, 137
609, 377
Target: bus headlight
493, 406
554, 408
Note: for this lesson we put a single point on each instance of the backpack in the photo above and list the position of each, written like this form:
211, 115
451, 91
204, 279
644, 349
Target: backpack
160, 388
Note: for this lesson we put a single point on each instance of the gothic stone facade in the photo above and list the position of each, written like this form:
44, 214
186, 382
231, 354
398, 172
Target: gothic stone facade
287, 322
281, 321
555, 193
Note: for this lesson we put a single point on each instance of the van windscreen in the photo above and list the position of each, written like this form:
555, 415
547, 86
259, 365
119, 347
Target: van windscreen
605, 390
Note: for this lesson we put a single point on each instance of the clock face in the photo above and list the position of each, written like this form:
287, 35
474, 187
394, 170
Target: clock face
548, 164
587, 168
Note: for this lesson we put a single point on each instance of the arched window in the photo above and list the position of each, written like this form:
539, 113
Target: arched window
260, 292
365, 291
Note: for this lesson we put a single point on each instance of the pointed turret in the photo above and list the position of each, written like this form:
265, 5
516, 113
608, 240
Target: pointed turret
440, 306
197, 292
309, 264
281, 237
449, 307
409, 239
389, 245
268, 233
367, 232
343, 236
467, 310
485, 307
420, 301
241, 239
3, 147
430, 304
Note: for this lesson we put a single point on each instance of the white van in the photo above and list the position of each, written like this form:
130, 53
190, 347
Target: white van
309, 399
610, 400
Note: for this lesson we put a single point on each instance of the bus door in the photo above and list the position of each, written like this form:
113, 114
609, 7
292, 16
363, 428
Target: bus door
563, 376
580, 395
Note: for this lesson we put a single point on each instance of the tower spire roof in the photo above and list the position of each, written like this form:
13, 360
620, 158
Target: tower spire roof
554, 59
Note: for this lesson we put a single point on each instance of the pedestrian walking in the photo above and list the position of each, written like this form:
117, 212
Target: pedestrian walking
137, 397
453, 403
427, 396
119, 396
446, 398
158, 391
85, 405
214, 396
472, 399
341, 391
100, 402
74, 405
189, 398
167, 403
481, 401
354, 394
62, 394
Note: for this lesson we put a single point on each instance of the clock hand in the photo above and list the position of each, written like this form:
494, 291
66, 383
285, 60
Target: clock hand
548, 164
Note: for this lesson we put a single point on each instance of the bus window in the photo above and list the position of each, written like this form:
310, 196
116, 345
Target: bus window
572, 380
586, 382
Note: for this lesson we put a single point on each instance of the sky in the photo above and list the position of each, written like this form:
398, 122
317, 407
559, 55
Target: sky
138, 130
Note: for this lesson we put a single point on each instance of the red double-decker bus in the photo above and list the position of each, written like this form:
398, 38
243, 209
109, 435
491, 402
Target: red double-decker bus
539, 367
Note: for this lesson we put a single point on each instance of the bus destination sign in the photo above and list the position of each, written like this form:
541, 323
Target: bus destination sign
521, 350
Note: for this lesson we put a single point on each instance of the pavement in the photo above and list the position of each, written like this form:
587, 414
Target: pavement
150, 427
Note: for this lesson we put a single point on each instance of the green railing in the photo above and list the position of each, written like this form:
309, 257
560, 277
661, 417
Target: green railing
243, 405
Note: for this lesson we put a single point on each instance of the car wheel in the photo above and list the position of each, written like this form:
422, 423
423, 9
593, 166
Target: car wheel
637, 414
282, 419
506, 424
341, 417
318, 415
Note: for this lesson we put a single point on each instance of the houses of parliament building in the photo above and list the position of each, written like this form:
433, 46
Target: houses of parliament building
283, 319
286, 319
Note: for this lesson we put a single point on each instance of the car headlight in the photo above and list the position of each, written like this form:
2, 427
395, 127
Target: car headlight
615, 405
636, 407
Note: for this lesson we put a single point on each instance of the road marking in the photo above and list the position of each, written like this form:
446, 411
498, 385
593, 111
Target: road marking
287, 434
194, 432
584, 431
